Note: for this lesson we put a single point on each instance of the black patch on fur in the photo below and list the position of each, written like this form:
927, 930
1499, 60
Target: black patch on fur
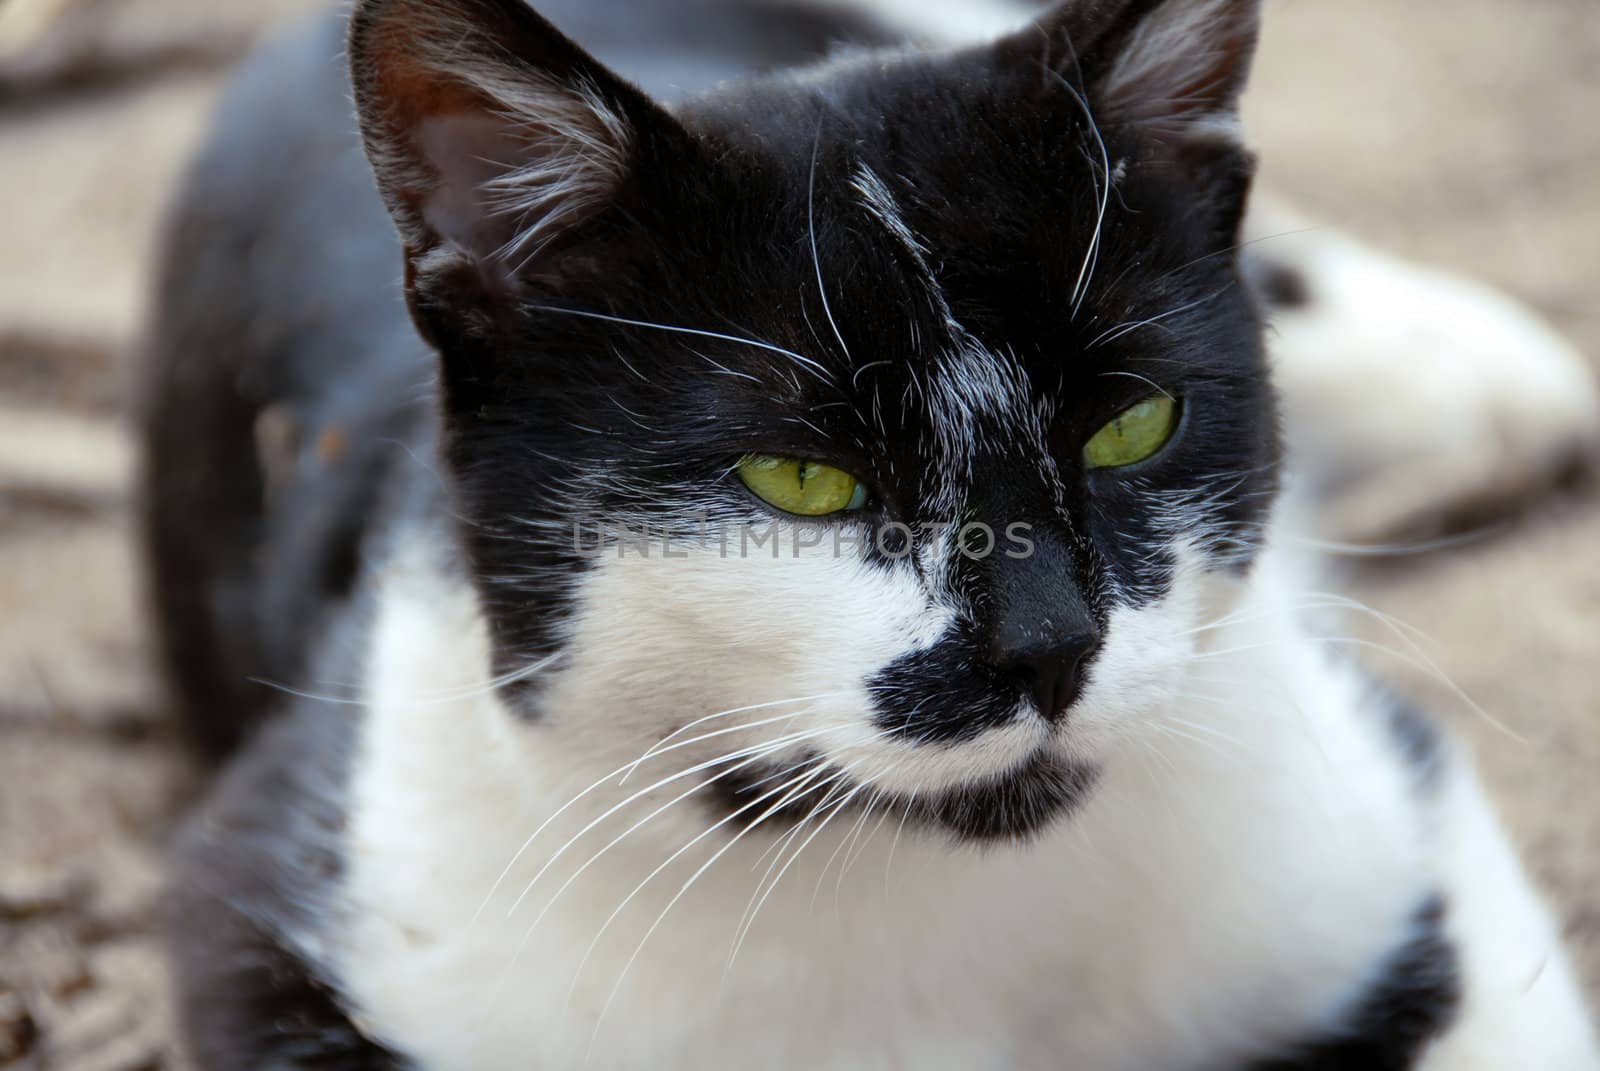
1411, 1001
1418, 737
1012, 805
946, 694
257, 864
1028, 618
1282, 286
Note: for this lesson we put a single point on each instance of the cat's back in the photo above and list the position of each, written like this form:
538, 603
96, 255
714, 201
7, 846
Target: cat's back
277, 354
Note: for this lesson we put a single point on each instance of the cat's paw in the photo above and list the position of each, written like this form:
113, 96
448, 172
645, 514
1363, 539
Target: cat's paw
1416, 402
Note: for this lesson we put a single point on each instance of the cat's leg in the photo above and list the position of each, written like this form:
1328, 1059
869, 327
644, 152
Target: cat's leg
1519, 1004
1415, 401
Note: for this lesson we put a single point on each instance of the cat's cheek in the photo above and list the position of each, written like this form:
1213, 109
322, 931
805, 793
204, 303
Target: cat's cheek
1149, 659
779, 643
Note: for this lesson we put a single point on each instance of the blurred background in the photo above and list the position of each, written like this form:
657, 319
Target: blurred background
1461, 135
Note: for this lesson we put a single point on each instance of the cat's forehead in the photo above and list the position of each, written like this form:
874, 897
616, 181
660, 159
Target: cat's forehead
971, 296
938, 206
903, 133
916, 267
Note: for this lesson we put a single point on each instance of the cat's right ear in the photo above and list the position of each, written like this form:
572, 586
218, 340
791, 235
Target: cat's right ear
496, 142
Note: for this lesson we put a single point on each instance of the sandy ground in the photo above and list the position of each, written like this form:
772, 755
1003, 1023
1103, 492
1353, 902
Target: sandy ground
1461, 134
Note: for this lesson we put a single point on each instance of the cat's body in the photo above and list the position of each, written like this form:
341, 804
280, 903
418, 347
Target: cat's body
1228, 850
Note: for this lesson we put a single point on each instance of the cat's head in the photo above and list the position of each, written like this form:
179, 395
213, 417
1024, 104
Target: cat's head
880, 430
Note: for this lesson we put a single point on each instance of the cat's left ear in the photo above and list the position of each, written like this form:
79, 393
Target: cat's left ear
1165, 74
1174, 69
498, 144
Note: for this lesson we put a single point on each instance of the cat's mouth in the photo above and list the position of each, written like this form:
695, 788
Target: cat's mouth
1012, 804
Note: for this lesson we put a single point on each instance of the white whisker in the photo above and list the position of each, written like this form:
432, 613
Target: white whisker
775, 808
817, 370
811, 232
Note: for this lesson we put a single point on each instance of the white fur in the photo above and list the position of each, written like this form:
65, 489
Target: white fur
1478, 399
1521, 1005
543, 888
1219, 887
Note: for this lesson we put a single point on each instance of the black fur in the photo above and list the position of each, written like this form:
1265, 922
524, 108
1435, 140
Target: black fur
257, 866
1013, 805
726, 214
709, 229
1411, 1001
1033, 642
279, 286
1419, 739
1281, 286
281, 293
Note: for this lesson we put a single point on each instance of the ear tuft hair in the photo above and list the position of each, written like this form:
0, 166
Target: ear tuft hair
1182, 68
1173, 68
491, 134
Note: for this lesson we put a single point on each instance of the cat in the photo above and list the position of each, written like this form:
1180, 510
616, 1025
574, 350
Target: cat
799, 589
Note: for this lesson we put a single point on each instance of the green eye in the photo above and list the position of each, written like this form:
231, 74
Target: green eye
1134, 434
808, 488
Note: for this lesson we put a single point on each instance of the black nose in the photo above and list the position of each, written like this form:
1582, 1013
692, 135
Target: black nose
1053, 664
1042, 631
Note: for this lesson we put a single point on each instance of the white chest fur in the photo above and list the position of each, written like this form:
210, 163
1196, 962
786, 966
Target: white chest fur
1216, 891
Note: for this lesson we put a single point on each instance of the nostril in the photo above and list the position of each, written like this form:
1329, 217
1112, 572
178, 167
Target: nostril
1058, 674
1047, 688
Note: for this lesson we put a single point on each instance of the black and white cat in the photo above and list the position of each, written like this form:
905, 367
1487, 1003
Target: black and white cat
811, 602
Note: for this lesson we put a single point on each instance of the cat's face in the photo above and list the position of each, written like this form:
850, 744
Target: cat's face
871, 435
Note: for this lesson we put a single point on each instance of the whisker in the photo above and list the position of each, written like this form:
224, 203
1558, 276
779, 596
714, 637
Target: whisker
528, 842
1090, 258
811, 232
723, 714
790, 785
466, 691
757, 757
807, 363
861, 822
1111, 334
762, 747
1394, 550
622, 975
888, 863
855, 854
527, 934
837, 808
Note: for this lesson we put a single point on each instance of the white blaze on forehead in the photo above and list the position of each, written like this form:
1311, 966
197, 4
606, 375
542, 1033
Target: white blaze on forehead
973, 395
980, 399
880, 201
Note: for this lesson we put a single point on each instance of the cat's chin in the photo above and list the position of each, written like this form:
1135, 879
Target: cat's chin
1016, 804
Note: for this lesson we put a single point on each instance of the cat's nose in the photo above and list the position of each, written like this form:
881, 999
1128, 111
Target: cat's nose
1054, 663
1042, 632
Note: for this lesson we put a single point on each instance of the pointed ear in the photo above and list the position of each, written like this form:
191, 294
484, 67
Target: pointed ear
495, 139
1172, 68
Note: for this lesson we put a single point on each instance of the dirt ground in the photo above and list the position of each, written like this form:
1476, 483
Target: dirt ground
1461, 134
